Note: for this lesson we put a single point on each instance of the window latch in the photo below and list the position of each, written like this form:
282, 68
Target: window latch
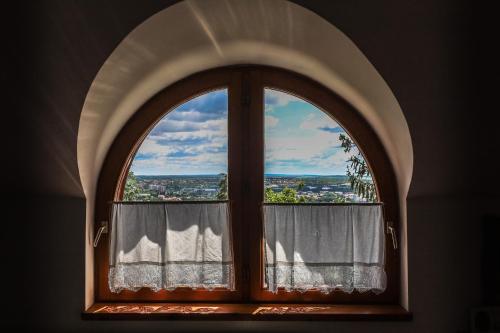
103, 229
391, 230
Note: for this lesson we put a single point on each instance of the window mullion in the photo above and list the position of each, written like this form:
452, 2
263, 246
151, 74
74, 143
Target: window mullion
254, 175
235, 175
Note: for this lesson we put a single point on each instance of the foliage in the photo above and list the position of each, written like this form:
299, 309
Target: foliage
132, 189
333, 197
222, 193
288, 195
300, 185
358, 171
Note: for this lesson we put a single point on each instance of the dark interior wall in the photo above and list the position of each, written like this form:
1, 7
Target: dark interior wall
427, 52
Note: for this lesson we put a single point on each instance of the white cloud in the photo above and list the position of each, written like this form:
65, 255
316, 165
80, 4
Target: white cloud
198, 164
317, 120
190, 152
190, 140
300, 147
271, 121
175, 126
151, 147
274, 98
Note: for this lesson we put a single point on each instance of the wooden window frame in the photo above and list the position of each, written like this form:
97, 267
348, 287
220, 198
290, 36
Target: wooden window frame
245, 86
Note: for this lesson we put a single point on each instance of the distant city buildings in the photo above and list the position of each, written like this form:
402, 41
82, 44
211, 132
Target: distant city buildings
206, 187
158, 188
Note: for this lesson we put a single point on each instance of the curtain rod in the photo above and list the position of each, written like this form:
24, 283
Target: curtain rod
169, 202
263, 203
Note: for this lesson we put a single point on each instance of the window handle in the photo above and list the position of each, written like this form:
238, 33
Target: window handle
103, 229
391, 230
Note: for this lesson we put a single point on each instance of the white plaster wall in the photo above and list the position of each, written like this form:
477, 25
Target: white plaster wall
196, 35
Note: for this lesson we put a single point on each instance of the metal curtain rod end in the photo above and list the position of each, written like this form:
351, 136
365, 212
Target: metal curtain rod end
103, 229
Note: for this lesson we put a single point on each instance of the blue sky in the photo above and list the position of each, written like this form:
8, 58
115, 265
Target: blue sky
192, 139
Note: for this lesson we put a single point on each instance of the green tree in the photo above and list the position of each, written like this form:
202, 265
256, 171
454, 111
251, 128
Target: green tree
132, 189
288, 195
333, 197
340, 199
300, 185
358, 171
222, 193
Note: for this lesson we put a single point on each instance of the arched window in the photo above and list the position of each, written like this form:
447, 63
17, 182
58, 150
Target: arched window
275, 149
309, 153
184, 157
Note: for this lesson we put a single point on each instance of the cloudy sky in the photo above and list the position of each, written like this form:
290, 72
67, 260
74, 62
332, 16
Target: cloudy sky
189, 140
192, 139
300, 138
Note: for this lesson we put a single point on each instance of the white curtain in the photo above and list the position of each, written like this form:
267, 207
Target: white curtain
315, 247
170, 245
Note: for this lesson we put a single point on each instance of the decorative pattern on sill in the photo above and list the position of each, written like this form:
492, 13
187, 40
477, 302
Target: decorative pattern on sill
287, 309
156, 309
185, 309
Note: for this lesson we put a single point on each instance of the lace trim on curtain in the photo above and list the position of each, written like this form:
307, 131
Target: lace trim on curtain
326, 277
171, 275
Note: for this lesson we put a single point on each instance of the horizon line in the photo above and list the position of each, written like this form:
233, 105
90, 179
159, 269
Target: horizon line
216, 174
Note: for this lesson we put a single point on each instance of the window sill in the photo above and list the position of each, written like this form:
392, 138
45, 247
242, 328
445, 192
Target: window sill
215, 311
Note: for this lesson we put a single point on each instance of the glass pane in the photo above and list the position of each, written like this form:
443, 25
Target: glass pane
309, 157
184, 157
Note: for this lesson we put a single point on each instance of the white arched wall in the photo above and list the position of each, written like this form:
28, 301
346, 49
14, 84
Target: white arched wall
196, 35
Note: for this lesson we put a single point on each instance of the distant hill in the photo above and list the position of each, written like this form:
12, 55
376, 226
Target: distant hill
145, 177
220, 174
304, 176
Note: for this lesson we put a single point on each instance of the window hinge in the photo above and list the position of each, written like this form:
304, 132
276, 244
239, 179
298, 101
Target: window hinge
103, 229
391, 230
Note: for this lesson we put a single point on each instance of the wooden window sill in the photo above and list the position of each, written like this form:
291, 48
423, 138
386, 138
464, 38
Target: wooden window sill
216, 311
